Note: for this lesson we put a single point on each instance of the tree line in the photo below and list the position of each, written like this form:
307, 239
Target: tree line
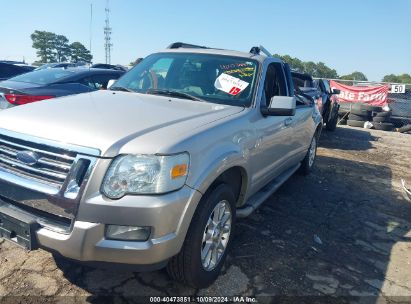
403, 78
52, 47
321, 70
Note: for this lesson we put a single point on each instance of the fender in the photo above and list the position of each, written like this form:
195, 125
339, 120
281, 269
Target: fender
220, 163
224, 161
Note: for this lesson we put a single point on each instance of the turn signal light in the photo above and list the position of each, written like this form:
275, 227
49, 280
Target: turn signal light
17, 99
179, 171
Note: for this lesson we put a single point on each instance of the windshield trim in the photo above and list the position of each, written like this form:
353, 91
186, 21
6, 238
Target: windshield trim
173, 93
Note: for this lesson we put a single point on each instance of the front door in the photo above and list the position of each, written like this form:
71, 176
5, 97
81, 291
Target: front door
274, 145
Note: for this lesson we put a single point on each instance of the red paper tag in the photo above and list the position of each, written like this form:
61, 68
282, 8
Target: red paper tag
235, 91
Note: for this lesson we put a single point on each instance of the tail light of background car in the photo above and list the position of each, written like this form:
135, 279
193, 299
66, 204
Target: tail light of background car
18, 99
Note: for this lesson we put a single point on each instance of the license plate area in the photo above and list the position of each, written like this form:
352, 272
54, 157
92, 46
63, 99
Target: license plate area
19, 231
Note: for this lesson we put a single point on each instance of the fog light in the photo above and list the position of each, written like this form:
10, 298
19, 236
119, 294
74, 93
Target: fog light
127, 233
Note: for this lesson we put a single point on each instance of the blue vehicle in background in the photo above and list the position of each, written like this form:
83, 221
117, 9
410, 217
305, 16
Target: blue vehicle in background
10, 69
50, 83
319, 92
61, 65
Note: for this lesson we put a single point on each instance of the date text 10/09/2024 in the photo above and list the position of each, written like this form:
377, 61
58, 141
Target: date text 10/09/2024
205, 299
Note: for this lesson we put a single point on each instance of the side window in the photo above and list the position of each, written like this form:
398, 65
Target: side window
159, 72
275, 84
101, 81
154, 77
88, 81
162, 66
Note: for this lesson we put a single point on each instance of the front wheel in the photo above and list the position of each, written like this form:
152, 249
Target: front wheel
205, 248
308, 162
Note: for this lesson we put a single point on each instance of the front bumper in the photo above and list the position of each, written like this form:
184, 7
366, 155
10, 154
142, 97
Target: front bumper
169, 216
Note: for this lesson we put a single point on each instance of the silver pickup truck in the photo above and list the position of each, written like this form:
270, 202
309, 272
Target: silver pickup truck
154, 172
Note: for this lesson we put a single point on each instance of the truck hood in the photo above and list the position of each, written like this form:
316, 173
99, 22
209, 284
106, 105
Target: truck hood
108, 120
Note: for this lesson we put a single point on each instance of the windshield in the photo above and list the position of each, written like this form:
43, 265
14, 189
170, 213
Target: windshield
45, 76
213, 78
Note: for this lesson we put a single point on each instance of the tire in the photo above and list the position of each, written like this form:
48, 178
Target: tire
343, 122
381, 119
309, 160
383, 126
400, 122
405, 129
343, 111
356, 106
357, 117
356, 123
331, 124
371, 108
187, 266
360, 112
382, 114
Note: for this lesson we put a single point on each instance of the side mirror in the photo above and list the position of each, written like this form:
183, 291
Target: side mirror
336, 92
110, 83
280, 106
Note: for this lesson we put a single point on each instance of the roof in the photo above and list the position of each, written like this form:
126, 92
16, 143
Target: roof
23, 67
12, 62
260, 58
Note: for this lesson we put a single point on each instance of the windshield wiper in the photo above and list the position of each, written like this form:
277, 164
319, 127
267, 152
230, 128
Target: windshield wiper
173, 94
118, 88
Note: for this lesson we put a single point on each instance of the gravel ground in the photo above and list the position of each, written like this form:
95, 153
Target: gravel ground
342, 233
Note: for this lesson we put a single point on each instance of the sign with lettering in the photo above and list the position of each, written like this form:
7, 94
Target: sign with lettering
230, 84
373, 95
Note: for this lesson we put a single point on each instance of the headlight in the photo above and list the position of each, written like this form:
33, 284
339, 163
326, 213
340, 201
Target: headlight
145, 174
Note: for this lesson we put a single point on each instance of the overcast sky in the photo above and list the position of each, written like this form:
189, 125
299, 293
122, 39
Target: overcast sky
372, 36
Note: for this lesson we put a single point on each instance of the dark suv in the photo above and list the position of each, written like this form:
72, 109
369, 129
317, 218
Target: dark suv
319, 91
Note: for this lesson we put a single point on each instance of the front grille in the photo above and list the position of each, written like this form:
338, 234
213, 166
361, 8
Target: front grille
52, 167
43, 177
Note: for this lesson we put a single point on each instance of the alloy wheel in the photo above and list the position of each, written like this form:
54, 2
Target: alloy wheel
216, 235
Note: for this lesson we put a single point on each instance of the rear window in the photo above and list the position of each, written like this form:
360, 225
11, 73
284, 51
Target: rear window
9, 70
302, 81
43, 76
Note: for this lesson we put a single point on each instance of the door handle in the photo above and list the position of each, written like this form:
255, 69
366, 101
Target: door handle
288, 121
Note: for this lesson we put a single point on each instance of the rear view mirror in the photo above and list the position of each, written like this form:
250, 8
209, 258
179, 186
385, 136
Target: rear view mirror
280, 106
336, 92
110, 83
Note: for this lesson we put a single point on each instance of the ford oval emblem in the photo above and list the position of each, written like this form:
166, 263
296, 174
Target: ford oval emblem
28, 157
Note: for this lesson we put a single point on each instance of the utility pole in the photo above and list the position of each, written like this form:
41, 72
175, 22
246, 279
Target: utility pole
91, 24
107, 35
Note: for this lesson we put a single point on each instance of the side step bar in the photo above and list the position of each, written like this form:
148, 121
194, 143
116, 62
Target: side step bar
261, 196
